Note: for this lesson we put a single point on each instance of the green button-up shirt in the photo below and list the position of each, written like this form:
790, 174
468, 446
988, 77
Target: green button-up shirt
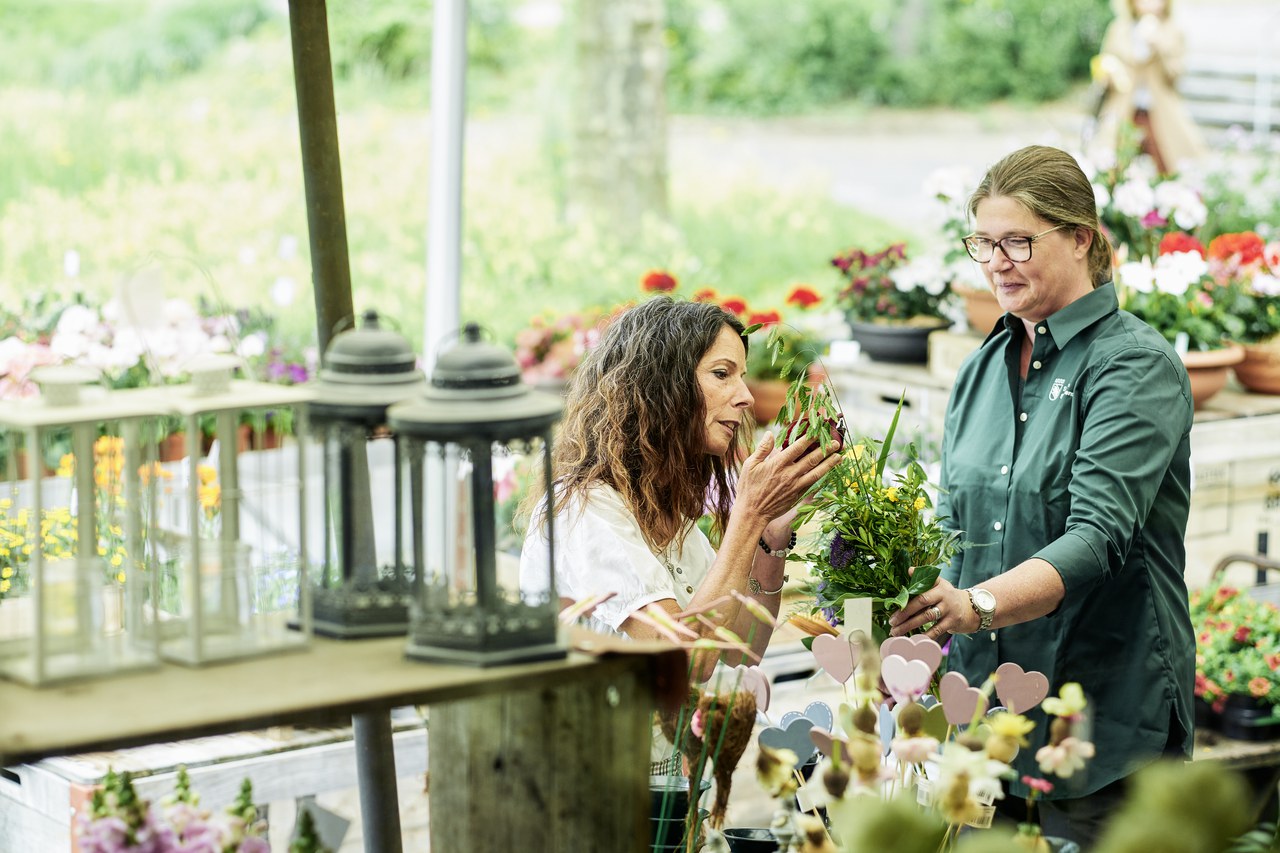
1085, 465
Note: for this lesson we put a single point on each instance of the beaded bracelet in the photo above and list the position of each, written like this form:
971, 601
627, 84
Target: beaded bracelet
782, 552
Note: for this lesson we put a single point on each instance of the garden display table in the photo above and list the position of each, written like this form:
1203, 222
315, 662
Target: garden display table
541, 756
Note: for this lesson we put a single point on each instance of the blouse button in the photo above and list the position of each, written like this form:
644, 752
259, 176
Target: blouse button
1023, 417
1004, 469
679, 570
997, 525
688, 589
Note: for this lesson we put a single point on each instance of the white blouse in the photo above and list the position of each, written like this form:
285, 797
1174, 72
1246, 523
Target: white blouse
599, 548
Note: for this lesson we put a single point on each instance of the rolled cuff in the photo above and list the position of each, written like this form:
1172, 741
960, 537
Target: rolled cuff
1077, 562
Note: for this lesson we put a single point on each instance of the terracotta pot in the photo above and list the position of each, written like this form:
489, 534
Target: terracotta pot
1260, 369
981, 308
173, 447
770, 396
1208, 370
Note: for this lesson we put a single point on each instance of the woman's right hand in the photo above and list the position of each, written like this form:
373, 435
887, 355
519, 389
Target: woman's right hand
774, 478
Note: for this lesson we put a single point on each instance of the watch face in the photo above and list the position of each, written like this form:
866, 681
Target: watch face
984, 600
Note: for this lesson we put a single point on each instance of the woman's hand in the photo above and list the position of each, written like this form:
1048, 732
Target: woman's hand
947, 607
774, 479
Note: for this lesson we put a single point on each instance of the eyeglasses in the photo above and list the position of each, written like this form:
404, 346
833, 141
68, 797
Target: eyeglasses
1016, 249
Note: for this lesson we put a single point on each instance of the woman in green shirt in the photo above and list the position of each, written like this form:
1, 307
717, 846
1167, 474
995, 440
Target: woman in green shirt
1066, 453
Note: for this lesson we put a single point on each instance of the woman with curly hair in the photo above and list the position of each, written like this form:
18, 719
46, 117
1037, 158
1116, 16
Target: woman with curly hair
655, 423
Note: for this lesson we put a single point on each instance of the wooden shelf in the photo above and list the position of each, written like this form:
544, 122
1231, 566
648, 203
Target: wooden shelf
323, 685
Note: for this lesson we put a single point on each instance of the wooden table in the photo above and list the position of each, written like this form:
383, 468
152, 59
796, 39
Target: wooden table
550, 755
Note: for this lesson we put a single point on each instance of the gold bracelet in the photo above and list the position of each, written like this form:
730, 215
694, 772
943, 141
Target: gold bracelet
756, 589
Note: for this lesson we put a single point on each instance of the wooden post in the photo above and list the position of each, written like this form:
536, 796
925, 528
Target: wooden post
551, 769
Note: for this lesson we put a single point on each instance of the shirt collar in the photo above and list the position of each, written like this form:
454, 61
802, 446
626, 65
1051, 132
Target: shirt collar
1074, 318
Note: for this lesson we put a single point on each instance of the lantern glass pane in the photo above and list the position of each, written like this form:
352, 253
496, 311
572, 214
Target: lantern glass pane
229, 536
74, 555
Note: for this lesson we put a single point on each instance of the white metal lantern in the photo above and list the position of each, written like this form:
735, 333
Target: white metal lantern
362, 588
230, 530
75, 562
469, 608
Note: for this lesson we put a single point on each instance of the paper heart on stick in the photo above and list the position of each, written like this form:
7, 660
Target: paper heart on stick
959, 701
1019, 690
906, 679
818, 713
794, 736
753, 680
915, 647
827, 744
837, 655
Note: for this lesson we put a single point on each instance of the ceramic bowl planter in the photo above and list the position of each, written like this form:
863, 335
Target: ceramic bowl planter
1259, 370
1208, 370
897, 343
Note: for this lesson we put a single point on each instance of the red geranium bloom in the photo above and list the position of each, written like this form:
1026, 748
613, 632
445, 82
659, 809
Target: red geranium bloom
764, 318
1179, 241
1259, 686
658, 281
803, 296
1242, 634
735, 305
1245, 244
706, 294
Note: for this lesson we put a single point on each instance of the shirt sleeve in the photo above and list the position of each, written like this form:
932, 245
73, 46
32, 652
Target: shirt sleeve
1137, 413
600, 549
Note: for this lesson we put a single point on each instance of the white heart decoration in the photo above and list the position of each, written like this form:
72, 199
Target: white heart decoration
837, 655
906, 679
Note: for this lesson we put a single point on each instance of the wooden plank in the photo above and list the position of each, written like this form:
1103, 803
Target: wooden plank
321, 686
552, 769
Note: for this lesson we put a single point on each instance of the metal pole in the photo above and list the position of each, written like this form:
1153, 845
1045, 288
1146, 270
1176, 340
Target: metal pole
321, 167
331, 280
444, 257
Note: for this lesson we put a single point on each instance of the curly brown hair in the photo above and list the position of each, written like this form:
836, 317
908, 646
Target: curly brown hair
634, 421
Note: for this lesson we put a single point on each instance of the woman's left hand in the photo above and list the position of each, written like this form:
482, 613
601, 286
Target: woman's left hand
947, 607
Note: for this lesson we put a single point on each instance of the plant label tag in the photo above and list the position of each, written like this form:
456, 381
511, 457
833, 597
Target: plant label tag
807, 798
857, 615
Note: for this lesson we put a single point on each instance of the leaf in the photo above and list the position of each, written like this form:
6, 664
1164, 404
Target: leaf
923, 579
883, 458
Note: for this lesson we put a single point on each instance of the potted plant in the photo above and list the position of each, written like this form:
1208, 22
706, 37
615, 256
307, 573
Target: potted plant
1179, 298
1250, 272
1238, 661
891, 304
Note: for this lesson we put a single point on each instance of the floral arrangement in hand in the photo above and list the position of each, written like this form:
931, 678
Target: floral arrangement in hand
882, 286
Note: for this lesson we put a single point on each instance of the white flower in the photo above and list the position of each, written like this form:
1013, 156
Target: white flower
253, 345
179, 312
78, 320
925, 272
1101, 197
1266, 285
1137, 276
1177, 271
1134, 198
283, 291
1065, 758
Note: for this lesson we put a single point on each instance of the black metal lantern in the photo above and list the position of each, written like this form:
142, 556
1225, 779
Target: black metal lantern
363, 587
475, 416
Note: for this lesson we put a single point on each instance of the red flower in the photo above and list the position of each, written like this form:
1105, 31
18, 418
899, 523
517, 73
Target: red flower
1259, 686
735, 305
706, 294
803, 296
1273, 661
1178, 241
1242, 634
658, 281
764, 318
1244, 245
1044, 786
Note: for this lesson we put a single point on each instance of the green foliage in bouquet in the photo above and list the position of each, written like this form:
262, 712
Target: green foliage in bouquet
877, 536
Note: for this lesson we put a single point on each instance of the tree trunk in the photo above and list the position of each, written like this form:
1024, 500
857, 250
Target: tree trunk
618, 168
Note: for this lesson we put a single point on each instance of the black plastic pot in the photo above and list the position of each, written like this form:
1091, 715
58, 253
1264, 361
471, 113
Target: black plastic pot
1247, 718
900, 344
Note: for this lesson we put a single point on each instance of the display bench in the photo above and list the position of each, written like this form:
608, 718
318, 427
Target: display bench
549, 755
1235, 453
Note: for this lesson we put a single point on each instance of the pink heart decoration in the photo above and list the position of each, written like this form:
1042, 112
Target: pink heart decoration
959, 701
1019, 690
837, 655
753, 680
906, 679
916, 647
827, 744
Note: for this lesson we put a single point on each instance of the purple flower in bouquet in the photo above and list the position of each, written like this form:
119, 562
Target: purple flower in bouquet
842, 552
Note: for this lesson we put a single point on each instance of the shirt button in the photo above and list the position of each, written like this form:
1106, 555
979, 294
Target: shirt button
1036, 365
688, 589
998, 525
1040, 330
1023, 417
993, 636
1004, 469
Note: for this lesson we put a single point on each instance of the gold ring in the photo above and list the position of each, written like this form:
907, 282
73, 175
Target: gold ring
936, 614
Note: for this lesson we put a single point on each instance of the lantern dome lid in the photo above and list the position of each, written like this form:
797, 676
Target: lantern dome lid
367, 366
475, 391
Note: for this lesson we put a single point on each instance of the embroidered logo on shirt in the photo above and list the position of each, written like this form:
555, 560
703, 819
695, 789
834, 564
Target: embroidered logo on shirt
1059, 389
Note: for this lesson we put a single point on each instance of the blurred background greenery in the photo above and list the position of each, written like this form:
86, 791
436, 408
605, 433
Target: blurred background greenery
162, 134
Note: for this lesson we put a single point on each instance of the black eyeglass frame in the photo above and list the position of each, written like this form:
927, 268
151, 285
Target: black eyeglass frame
1001, 245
